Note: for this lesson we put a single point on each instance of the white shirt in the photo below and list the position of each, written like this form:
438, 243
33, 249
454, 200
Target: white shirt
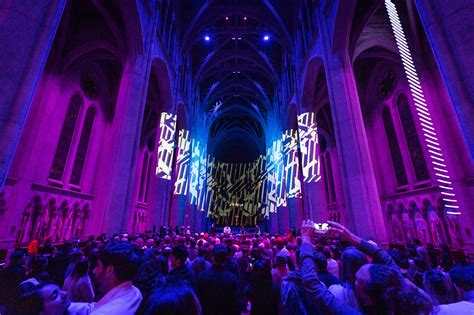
124, 299
459, 308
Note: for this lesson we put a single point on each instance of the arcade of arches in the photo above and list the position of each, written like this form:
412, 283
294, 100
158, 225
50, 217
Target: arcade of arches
123, 116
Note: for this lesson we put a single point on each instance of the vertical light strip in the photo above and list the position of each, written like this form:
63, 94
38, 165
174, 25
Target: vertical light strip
422, 111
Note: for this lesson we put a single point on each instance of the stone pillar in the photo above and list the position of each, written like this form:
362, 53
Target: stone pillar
358, 179
115, 191
448, 25
27, 31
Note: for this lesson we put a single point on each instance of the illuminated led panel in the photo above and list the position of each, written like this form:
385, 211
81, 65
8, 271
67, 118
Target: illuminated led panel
194, 176
293, 184
182, 163
202, 179
166, 145
423, 113
308, 136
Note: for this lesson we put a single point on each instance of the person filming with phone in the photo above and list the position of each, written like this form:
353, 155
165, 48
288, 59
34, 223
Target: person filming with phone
379, 287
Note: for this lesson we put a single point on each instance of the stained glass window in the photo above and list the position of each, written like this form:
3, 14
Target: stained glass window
65, 139
82, 148
394, 148
411, 137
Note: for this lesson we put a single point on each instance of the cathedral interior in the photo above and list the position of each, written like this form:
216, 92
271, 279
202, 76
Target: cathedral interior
125, 116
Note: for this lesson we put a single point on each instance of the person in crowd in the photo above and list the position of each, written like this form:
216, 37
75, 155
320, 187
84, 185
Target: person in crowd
379, 286
281, 269
227, 230
463, 278
439, 286
78, 285
294, 299
263, 294
352, 260
333, 266
422, 252
38, 271
118, 263
12, 276
218, 289
200, 263
432, 255
180, 272
59, 263
322, 268
447, 260
40, 299
173, 299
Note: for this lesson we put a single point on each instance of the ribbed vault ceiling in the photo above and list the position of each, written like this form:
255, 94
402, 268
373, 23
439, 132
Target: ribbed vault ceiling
237, 72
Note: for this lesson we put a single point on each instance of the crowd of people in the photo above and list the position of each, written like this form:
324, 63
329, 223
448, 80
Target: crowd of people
175, 271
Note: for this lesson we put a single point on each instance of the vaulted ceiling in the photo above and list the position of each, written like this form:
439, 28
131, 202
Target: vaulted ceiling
236, 49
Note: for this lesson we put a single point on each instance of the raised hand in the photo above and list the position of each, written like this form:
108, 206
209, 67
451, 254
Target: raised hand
307, 231
343, 232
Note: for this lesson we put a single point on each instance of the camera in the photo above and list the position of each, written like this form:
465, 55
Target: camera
321, 227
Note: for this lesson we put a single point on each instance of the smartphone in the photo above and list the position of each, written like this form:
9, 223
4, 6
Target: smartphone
321, 227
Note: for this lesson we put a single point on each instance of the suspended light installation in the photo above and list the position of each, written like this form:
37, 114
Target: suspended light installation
423, 113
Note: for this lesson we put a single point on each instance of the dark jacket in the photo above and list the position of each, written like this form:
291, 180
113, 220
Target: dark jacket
182, 274
219, 291
294, 298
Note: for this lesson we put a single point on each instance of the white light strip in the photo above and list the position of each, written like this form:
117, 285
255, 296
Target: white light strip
433, 147
439, 164
436, 153
451, 212
444, 181
449, 200
422, 110
447, 194
445, 187
450, 206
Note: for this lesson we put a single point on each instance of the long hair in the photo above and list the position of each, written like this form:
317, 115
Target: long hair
352, 260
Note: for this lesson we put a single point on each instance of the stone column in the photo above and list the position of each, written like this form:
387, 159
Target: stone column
358, 179
27, 31
115, 190
448, 25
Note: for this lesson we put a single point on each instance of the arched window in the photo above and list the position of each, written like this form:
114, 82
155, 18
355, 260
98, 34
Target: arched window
82, 147
411, 137
143, 177
332, 190
65, 139
394, 148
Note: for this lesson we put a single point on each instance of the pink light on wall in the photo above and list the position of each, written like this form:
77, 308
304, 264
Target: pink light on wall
423, 113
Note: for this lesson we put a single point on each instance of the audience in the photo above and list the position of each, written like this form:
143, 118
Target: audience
181, 272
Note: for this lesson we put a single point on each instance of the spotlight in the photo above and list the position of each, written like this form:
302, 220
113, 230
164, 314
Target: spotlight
226, 18
266, 38
245, 18
207, 38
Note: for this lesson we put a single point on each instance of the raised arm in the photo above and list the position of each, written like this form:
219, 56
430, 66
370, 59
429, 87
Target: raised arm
379, 256
315, 288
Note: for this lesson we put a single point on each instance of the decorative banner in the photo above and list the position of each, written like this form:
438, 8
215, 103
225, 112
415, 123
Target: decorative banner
166, 145
182, 163
308, 135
